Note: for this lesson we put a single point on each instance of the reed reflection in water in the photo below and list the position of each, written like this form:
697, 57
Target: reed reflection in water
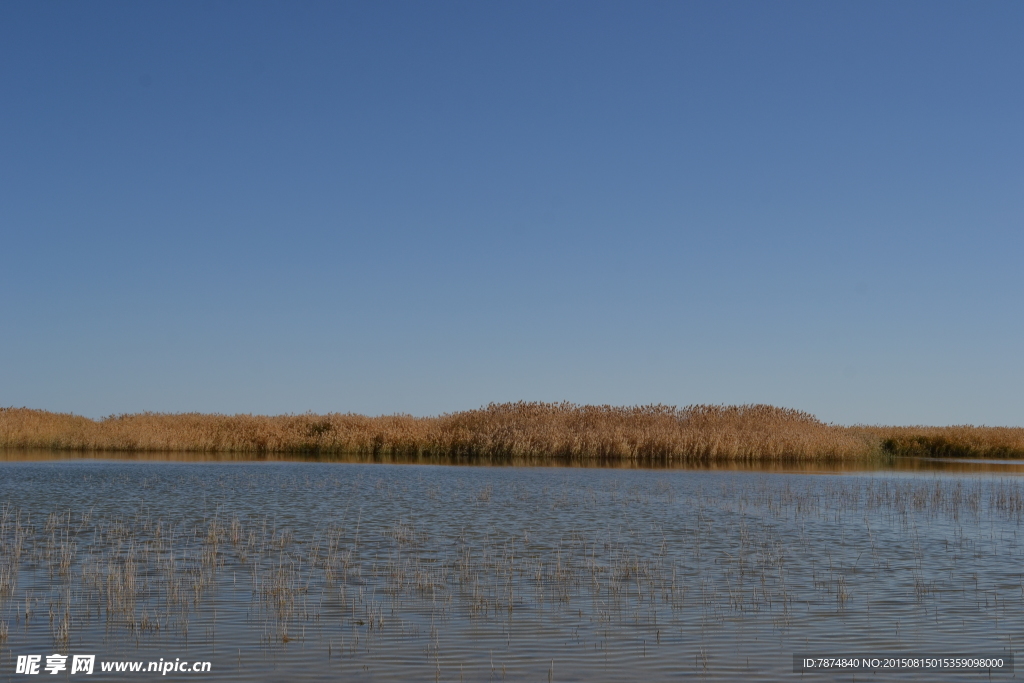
380, 572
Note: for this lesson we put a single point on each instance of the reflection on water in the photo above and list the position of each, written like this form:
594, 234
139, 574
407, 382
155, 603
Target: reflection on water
882, 463
373, 572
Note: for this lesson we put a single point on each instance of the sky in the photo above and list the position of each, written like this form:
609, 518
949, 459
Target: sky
411, 207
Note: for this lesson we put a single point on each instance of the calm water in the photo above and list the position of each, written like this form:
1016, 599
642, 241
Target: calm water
371, 572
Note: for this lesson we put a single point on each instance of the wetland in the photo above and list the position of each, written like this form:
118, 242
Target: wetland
383, 572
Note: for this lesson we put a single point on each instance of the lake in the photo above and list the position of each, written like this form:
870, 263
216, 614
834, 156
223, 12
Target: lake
385, 572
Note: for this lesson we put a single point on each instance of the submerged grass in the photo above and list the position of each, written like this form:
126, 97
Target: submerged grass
641, 434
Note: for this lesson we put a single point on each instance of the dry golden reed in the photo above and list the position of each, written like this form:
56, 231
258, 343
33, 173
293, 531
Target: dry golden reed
653, 433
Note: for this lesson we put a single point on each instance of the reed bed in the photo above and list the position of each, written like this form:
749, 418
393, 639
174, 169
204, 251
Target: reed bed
537, 431
653, 433
963, 441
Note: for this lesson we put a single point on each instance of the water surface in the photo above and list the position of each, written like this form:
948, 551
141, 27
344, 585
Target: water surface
381, 572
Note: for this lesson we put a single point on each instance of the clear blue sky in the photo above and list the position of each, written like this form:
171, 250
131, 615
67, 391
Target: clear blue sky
423, 207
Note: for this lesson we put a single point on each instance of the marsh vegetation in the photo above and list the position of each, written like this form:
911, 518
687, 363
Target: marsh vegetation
653, 434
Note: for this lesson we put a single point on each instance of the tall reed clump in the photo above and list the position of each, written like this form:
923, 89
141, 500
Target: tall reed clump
654, 433
644, 433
